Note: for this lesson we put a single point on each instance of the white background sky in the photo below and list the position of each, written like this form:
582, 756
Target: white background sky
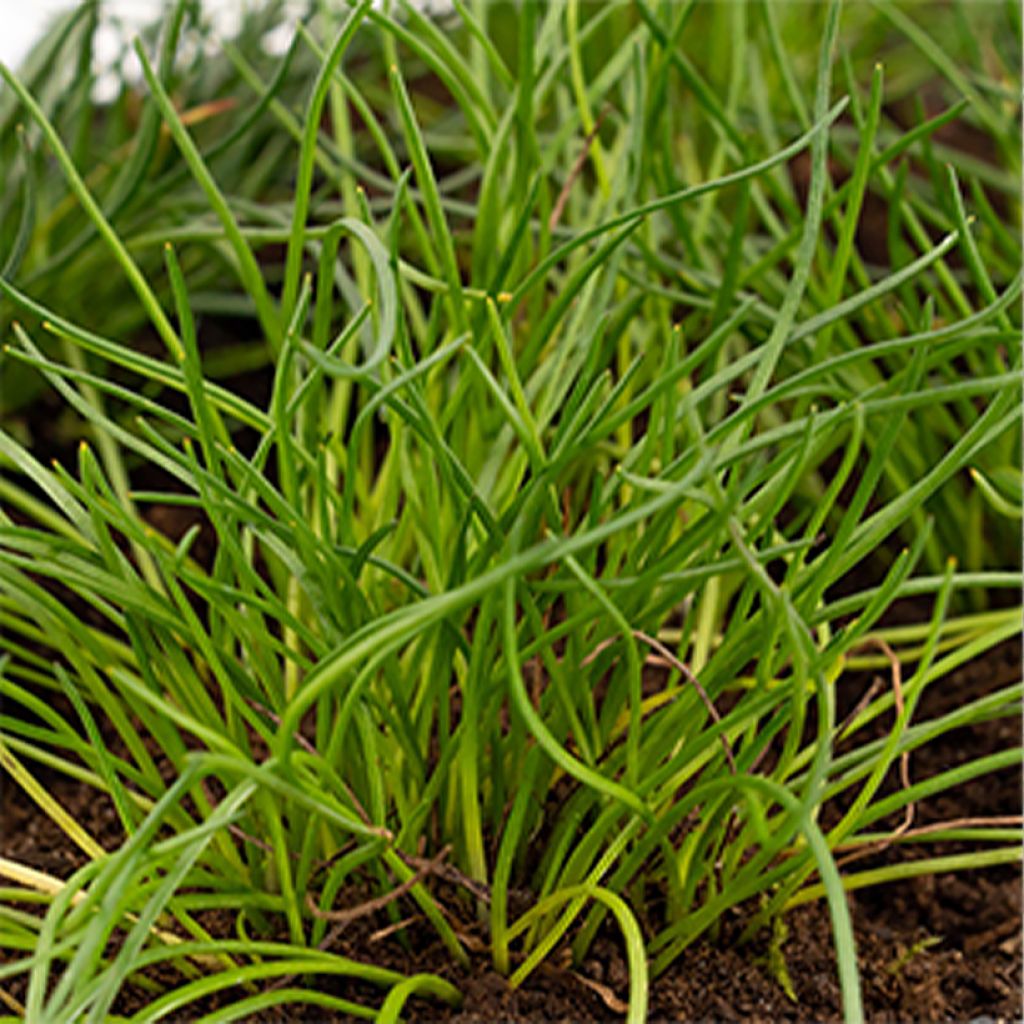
22, 21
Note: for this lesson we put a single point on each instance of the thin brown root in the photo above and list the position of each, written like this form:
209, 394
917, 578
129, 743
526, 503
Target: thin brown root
378, 902
391, 929
667, 657
575, 172
896, 671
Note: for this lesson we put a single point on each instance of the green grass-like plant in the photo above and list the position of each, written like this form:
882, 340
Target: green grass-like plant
594, 451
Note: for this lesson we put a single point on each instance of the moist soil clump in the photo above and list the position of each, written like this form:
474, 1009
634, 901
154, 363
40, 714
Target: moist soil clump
935, 948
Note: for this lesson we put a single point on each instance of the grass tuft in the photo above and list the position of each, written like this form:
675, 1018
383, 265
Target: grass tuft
492, 452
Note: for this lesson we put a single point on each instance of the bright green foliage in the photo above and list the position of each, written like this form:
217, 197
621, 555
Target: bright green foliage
619, 366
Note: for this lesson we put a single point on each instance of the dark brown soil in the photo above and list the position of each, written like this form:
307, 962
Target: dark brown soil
937, 948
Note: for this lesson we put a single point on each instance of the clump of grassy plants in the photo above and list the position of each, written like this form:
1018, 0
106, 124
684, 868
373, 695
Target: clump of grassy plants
595, 451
